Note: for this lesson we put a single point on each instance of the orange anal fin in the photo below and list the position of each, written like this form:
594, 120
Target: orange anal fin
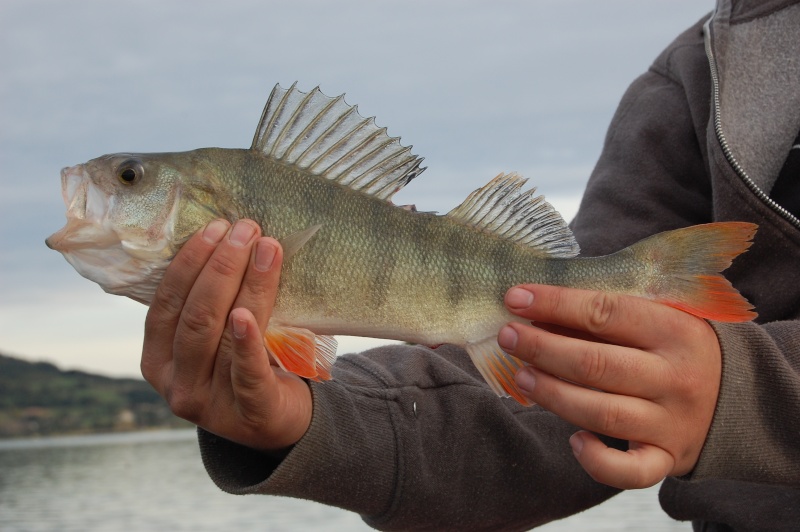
300, 351
326, 355
294, 349
498, 368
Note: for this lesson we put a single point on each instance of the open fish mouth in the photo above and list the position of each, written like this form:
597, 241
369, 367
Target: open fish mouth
87, 241
87, 210
91, 243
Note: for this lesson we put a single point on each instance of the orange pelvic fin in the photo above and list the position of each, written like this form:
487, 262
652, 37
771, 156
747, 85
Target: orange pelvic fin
497, 368
300, 351
689, 262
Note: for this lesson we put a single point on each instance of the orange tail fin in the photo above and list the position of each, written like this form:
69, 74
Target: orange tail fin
688, 263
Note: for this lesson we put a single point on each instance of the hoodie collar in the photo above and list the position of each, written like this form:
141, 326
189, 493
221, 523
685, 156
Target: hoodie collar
757, 103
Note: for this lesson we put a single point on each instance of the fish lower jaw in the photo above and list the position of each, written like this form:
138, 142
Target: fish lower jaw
117, 272
120, 266
98, 254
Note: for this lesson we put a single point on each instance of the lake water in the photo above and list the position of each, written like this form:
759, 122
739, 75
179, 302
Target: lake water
155, 481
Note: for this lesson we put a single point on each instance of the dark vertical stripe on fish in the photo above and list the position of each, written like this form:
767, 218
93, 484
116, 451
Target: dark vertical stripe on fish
502, 260
385, 258
456, 247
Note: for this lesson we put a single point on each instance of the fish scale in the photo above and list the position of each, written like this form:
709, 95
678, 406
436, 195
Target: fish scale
319, 177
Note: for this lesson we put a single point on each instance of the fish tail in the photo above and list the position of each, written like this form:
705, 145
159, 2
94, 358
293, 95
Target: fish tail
687, 264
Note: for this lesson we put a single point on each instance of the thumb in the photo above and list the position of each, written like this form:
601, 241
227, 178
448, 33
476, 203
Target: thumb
275, 403
641, 466
251, 373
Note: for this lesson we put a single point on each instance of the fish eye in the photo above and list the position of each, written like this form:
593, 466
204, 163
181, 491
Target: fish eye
130, 172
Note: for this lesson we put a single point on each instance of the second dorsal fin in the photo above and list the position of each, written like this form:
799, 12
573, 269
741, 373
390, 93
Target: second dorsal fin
328, 137
501, 207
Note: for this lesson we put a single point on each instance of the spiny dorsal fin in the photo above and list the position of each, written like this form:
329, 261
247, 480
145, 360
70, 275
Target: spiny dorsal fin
328, 137
502, 208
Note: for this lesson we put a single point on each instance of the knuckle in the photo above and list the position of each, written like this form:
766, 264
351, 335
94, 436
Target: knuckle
168, 301
638, 477
557, 302
255, 417
530, 346
549, 393
591, 367
257, 290
171, 293
609, 418
184, 404
683, 381
697, 330
149, 371
601, 310
199, 320
224, 265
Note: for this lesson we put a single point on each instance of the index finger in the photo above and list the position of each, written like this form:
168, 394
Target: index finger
616, 318
260, 283
171, 294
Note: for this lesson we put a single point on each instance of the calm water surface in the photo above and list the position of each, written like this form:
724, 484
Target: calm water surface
155, 481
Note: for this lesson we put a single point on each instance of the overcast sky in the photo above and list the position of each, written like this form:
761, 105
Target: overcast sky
476, 87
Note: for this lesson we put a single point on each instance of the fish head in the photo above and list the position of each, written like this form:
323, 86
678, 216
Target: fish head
123, 221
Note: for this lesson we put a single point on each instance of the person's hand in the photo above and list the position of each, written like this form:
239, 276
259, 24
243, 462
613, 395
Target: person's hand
621, 366
203, 346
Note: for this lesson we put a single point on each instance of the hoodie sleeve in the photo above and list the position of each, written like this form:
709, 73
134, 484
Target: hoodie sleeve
753, 436
411, 438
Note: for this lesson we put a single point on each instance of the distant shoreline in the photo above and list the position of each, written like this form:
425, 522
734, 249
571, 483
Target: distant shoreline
37, 399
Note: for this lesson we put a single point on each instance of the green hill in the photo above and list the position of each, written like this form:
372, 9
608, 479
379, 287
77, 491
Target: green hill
39, 399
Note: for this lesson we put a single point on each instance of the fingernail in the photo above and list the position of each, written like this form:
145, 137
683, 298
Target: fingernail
215, 230
526, 380
239, 327
519, 298
242, 233
507, 338
265, 255
576, 442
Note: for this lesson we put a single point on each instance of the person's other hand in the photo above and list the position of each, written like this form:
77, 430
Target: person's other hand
621, 366
203, 346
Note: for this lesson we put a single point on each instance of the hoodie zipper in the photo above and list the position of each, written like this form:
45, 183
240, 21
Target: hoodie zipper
726, 150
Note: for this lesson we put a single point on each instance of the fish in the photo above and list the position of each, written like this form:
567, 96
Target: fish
320, 178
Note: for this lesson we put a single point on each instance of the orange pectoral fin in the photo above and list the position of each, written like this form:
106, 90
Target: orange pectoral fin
300, 351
